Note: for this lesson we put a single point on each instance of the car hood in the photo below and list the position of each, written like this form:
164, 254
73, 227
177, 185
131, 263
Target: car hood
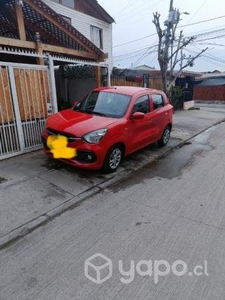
77, 123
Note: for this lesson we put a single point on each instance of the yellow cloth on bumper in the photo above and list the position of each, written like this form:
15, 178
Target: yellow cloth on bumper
58, 146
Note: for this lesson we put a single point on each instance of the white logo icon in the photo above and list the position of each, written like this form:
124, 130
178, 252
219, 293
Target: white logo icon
98, 268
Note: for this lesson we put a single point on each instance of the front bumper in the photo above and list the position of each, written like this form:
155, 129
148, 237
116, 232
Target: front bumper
89, 156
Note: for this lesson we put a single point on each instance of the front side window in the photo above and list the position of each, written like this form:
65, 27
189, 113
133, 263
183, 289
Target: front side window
158, 101
142, 105
104, 104
96, 37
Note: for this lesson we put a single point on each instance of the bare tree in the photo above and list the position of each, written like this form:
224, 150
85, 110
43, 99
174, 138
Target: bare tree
170, 49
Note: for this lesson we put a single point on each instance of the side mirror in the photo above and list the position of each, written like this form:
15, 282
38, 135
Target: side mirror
137, 115
75, 103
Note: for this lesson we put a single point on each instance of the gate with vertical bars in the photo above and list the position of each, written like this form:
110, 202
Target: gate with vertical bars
27, 97
24, 101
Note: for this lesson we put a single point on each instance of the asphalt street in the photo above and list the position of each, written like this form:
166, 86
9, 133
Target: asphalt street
171, 211
35, 189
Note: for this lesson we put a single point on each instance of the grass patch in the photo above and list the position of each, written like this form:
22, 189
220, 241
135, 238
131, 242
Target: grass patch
194, 108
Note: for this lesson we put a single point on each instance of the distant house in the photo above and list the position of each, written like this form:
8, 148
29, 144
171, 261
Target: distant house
143, 68
210, 87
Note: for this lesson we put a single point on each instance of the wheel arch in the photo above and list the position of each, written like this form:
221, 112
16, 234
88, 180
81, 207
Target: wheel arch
170, 125
122, 144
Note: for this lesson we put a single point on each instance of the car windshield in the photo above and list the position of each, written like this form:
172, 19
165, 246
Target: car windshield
104, 104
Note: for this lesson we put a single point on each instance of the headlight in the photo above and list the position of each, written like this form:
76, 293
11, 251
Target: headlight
95, 137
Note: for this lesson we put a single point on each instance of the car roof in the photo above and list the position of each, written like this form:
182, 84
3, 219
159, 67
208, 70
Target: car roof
126, 90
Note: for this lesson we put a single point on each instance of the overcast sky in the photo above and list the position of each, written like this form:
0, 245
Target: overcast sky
134, 34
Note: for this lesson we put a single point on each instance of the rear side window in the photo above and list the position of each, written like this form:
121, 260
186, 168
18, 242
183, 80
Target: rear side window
142, 105
158, 101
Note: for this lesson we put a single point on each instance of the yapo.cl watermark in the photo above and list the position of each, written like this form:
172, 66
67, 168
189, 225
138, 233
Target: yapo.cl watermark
99, 268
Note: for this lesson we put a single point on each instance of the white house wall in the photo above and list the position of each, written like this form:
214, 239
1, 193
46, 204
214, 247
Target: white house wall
83, 23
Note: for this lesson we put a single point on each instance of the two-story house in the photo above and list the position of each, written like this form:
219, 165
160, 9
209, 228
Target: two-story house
88, 17
40, 39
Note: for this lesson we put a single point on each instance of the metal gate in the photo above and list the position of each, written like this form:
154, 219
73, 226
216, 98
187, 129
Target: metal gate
27, 97
24, 105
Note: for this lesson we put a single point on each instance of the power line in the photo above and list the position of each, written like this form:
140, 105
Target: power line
209, 33
202, 21
141, 58
200, 35
142, 49
213, 34
139, 10
199, 9
128, 4
211, 44
137, 55
209, 56
147, 36
213, 38
142, 38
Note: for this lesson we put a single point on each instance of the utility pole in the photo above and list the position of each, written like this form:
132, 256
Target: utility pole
172, 19
167, 56
171, 23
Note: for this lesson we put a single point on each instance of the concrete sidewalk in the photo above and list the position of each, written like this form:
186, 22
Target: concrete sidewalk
34, 189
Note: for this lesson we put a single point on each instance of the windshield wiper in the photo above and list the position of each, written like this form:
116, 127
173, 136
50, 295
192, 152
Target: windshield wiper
90, 111
98, 113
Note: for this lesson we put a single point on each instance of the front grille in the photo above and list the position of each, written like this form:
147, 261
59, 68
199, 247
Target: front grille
71, 138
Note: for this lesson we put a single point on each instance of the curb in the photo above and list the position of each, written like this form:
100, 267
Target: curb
29, 227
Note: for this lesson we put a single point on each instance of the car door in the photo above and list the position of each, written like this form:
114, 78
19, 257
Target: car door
159, 115
140, 130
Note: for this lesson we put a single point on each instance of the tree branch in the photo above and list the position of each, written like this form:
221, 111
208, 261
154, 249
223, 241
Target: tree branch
189, 63
184, 44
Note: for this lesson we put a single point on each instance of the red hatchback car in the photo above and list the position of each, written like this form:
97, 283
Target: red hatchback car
110, 123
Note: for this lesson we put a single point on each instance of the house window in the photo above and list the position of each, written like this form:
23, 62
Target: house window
69, 3
96, 36
158, 101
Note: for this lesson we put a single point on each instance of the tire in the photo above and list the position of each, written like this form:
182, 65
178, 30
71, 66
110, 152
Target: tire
165, 137
112, 159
